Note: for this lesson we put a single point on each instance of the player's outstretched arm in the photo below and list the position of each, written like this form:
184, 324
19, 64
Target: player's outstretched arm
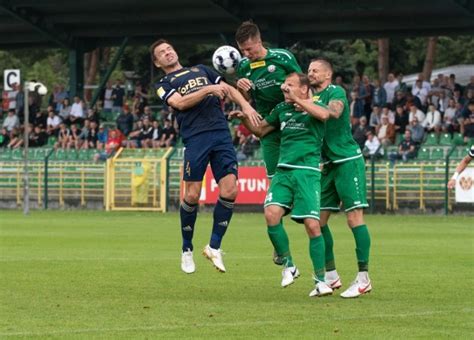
249, 112
262, 129
460, 168
181, 103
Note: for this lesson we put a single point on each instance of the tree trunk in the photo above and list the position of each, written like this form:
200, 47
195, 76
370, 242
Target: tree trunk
383, 47
430, 58
91, 72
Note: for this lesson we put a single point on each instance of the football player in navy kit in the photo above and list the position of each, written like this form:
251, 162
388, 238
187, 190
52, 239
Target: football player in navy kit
195, 93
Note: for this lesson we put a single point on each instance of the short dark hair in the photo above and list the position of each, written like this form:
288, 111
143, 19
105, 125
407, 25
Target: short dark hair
155, 45
325, 62
303, 78
247, 29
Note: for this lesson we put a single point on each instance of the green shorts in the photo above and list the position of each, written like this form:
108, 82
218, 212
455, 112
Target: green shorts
297, 190
271, 151
344, 182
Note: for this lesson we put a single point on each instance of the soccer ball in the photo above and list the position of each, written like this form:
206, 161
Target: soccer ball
225, 59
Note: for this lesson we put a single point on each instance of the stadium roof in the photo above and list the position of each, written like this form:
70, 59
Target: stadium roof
86, 24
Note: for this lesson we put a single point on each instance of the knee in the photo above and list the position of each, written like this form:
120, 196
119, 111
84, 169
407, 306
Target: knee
313, 228
229, 191
192, 197
355, 218
273, 214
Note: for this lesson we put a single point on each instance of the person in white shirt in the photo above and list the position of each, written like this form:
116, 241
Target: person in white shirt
424, 84
11, 121
108, 100
432, 121
77, 115
390, 86
415, 112
372, 145
419, 91
450, 124
12, 97
52, 123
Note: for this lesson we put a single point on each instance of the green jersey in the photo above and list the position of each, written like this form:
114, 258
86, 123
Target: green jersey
267, 75
339, 145
301, 137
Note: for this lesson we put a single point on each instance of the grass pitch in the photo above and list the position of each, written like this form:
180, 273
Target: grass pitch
117, 275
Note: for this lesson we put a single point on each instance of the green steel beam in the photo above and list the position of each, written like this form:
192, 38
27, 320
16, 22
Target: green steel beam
111, 68
38, 23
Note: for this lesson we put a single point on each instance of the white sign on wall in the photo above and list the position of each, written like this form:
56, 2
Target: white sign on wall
465, 186
10, 77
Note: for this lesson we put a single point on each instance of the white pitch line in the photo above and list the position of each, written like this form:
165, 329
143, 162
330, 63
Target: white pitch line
227, 324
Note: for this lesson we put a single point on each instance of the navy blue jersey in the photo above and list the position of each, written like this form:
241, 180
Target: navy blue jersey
205, 116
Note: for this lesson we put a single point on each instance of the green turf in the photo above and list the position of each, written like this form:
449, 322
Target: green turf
116, 275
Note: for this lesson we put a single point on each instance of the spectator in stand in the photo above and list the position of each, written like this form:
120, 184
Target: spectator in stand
92, 136
450, 123
147, 114
11, 121
114, 141
386, 131
386, 110
60, 96
14, 138
107, 98
39, 137
40, 119
52, 124
134, 137
372, 146
65, 110
141, 96
380, 95
53, 97
156, 134
356, 108
169, 135
401, 87
415, 112
424, 83
452, 85
93, 116
406, 149
419, 91
375, 117
241, 134
77, 111
118, 93
12, 97
4, 138
465, 118
469, 129
469, 86
443, 101
74, 139
84, 135
467, 100
412, 100
359, 131
457, 96
390, 87
125, 122
417, 132
339, 81
136, 113
247, 148
401, 119
432, 121
367, 95
5, 103
399, 99
64, 136
102, 136
146, 134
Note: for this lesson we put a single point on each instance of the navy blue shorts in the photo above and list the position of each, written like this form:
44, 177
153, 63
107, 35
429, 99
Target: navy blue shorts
214, 147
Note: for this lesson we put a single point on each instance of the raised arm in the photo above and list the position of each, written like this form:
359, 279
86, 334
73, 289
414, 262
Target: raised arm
181, 103
460, 168
260, 130
249, 112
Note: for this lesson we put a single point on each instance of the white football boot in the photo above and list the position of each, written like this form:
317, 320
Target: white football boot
361, 285
187, 262
215, 256
333, 280
321, 289
289, 274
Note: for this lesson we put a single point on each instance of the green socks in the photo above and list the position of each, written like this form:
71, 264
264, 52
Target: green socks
317, 254
362, 240
329, 244
280, 242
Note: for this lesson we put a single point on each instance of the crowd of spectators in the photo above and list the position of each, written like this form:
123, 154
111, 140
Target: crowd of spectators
379, 113
69, 123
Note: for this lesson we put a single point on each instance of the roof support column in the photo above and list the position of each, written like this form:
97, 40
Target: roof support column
76, 73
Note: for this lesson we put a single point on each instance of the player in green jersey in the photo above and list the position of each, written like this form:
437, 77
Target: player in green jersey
343, 177
296, 184
261, 73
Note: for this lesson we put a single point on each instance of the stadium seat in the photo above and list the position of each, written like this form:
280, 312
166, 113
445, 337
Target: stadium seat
423, 154
17, 154
398, 138
458, 139
437, 154
52, 140
71, 155
5, 154
431, 139
83, 155
445, 139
